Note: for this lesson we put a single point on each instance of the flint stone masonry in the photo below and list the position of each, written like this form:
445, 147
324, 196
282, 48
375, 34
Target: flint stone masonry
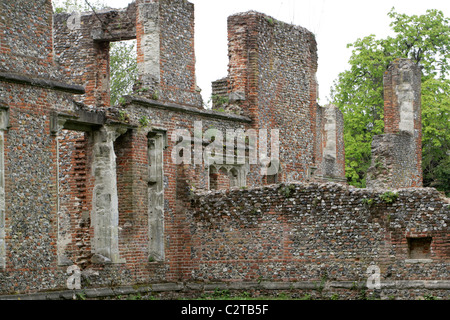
393, 163
94, 186
2, 203
304, 231
4, 123
17, 35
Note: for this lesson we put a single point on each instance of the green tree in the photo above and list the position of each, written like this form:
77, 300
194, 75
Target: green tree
436, 133
358, 92
123, 56
123, 69
60, 6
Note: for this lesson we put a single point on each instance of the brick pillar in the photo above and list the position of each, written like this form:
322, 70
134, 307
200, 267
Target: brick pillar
242, 51
402, 99
331, 153
397, 155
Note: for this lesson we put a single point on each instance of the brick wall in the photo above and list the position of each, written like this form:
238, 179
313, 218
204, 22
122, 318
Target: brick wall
25, 40
272, 70
180, 180
83, 60
295, 232
31, 88
74, 206
286, 232
166, 60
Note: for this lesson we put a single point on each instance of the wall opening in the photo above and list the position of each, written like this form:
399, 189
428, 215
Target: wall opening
234, 177
218, 179
123, 150
213, 178
123, 71
419, 248
105, 199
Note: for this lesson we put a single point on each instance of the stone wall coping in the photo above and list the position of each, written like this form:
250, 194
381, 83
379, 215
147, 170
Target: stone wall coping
186, 109
327, 185
43, 83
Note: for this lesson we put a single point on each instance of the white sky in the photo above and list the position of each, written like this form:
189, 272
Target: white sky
335, 24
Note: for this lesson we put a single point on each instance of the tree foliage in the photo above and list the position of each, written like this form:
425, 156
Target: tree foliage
60, 6
436, 133
123, 57
358, 92
123, 69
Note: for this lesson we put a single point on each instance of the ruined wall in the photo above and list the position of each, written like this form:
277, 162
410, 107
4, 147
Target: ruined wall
305, 232
30, 89
164, 31
179, 180
397, 155
17, 53
271, 78
82, 42
177, 25
110, 190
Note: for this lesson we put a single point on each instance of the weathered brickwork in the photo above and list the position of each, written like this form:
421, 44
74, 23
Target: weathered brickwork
25, 45
165, 50
124, 193
74, 208
397, 155
301, 231
272, 78
82, 48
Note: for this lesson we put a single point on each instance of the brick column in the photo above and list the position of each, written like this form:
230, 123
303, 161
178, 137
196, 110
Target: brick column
402, 99
397, 155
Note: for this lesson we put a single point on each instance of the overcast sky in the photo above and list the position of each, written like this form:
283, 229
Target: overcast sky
334, 22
